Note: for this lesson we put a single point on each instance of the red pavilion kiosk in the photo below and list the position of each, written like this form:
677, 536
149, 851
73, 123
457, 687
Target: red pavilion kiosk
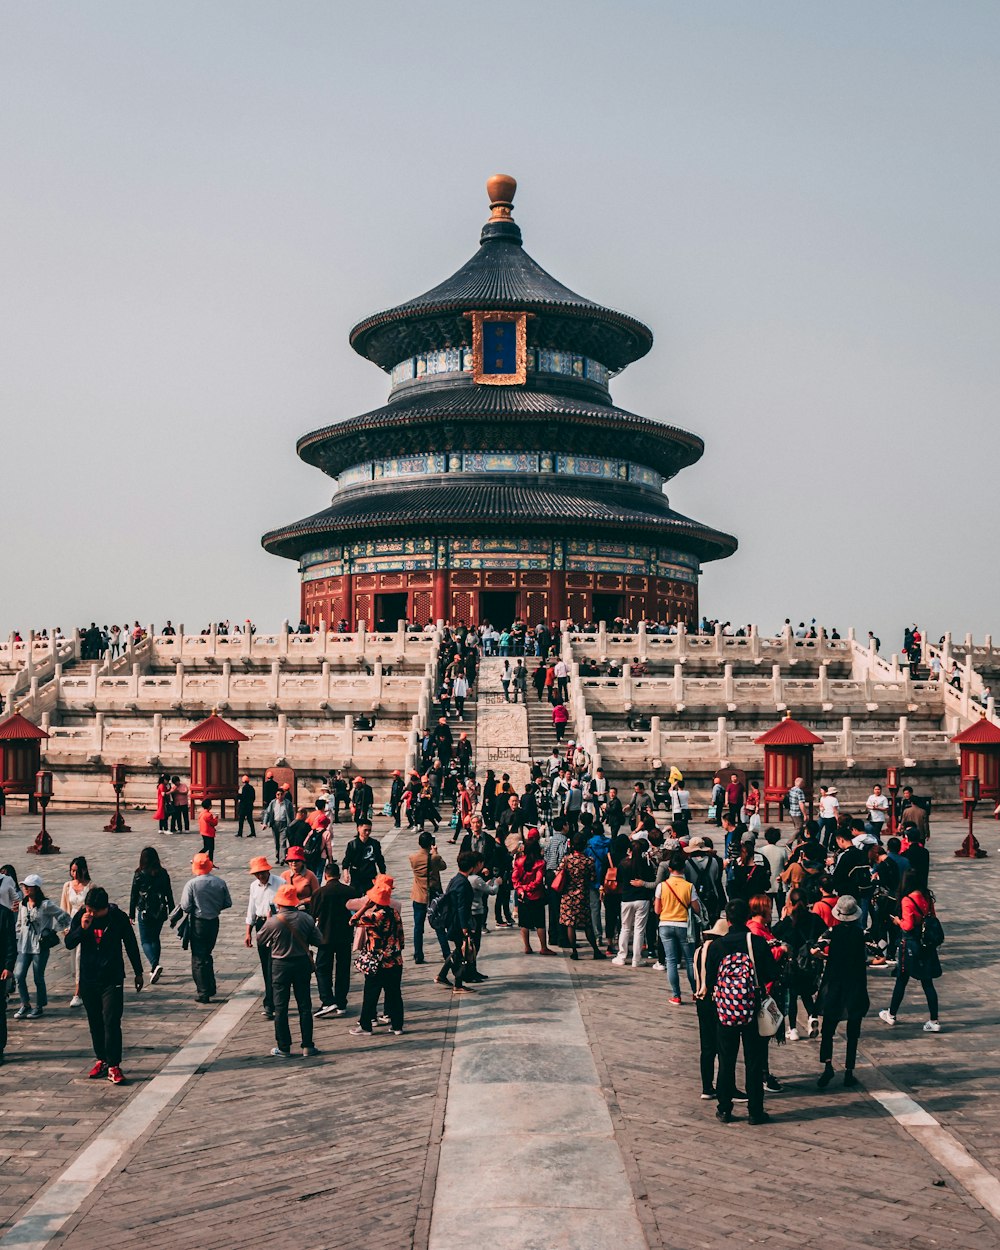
215, 761
979, 775
20, 757
788, 753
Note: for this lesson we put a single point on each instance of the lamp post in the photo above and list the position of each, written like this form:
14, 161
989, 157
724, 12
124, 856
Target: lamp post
970, 848
43, 844
892, 785
117, 822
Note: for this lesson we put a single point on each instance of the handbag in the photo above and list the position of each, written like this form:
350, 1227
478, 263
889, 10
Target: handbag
559, 880
47, 939
712, 813
386, 809
769, 1015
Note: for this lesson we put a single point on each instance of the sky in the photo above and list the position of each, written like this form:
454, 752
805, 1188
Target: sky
199, 201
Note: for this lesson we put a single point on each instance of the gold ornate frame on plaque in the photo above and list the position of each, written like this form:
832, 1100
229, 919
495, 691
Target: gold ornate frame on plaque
520, 374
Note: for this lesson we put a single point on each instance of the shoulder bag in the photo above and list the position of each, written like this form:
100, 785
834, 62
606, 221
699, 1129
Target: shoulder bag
769, 1016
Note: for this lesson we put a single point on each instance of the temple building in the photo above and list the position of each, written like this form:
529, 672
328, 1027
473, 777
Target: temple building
499, 480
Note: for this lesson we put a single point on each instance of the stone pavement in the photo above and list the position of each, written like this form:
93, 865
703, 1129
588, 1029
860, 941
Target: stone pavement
517, 1117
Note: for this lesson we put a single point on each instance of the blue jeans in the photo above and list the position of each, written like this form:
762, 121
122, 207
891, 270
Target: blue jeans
37, 965
149, 938
419, 919
677, 949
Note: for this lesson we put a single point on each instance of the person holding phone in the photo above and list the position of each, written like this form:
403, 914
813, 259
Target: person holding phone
101, 931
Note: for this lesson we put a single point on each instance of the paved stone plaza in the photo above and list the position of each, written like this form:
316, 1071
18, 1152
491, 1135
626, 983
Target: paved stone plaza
555, 1109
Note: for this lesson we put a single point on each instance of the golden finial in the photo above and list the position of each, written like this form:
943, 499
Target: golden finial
500, 188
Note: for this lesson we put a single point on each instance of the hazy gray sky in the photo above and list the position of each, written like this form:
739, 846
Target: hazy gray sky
199, 200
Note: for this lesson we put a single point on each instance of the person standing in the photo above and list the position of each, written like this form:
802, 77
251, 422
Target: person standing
574, 900
204, 898
362, 801
150, 902
674, 901
363, 859
328, 907
396, 796
521, 682
635, 879
38, 919
380, 956
708, 1018
556, 847
458, 926
278, 815
829, 811
528, 877
244, 808
269, 789
735, 794
797, 805
101, 931
8, 958
260, 907
74, 893
460, 692
733, 971
208, 823
843, 991
877, 806
288, 934
716, 802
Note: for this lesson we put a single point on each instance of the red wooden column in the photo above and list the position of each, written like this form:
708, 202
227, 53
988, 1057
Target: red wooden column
440, 595
788, 753
557, 599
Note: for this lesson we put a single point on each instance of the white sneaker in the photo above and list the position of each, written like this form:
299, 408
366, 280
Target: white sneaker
658, 967
889, 1019
792, 1035
932, 1026
76, 1001
813, 1027
618, 961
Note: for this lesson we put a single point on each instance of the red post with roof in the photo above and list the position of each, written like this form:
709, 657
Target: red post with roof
980, 761
20, 757
788, 753
215, 761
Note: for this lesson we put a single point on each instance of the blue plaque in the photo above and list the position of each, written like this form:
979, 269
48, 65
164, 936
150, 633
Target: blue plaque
500, 347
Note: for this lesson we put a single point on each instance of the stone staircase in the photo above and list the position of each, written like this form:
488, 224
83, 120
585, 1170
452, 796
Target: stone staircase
541, 732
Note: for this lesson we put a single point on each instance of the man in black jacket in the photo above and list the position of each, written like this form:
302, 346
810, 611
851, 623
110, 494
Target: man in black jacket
396, 795
363, 859
460, 894
362, 801
8, 957
244, 808
329, 909
730, 1036
101, 930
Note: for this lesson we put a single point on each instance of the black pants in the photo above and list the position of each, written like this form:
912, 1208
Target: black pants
334, 986
454, 963
3, 1013
105, 1004
708, 1027
204, 935
288, 975
388, 981
826, 1040
243, 817
501, 909
899, 989
727, 1040
612, 919
208, 847
264, 955
557, 933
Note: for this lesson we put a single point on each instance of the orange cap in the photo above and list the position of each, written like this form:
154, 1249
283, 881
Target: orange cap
381, 891
202, 864
286, 896
260, 864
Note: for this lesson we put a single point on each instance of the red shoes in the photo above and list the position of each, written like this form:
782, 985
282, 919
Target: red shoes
116, 1076
99, 1069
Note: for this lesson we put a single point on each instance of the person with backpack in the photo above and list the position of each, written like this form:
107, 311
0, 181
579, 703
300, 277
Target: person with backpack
922, 934
450, 914
843, 992
734, 972
708, 1017
748, 871
800, 929
150, 903
704, 870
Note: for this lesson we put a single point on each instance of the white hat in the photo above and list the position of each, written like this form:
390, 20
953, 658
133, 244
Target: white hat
32, 879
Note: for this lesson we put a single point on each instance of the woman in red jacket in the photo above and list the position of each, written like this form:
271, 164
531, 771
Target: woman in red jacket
560, 715
915, 960
528, 878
